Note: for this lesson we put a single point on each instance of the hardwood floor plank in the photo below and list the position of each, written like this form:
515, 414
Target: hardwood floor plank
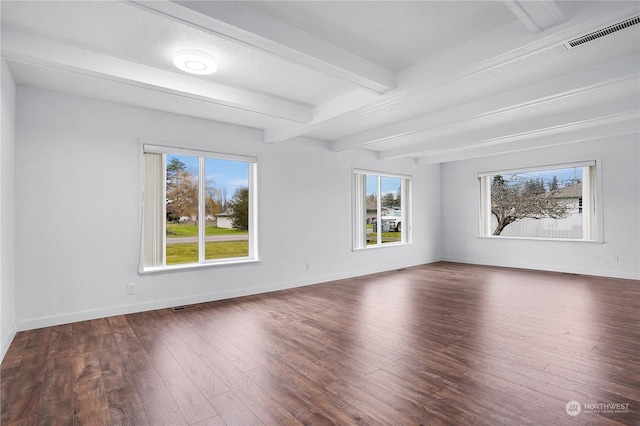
400, 406
437, 344
56, 402
519, 397
295, 379
159, 406
21, 407
100, 326
341, 412
135, 354
29, 421
60, 353
233, 411
238, 358
480, 410
289, 396
259, 402
34, 356
14, 354
113, 363
414, 400
83, 338
435, 364
126, 408
198, 371
211, 421
191, 402
21, 389
90, 404
380, 408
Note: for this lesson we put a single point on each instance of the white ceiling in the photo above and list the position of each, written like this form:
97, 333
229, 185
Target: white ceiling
431, 80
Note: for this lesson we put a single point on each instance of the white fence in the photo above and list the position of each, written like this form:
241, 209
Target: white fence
569, 227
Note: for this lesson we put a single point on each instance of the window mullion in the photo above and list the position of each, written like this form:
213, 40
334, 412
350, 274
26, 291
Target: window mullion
253, 223
201, 210
379, 209
164, 210
587, 203
403, 210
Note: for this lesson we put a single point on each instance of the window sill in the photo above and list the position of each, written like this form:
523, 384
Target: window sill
377, 246
567, 240
192, 266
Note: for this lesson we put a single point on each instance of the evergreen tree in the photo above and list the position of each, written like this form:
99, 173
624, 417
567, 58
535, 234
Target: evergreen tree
239, 207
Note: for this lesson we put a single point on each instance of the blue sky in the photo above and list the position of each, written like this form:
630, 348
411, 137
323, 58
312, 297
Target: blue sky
224, 173
389, 184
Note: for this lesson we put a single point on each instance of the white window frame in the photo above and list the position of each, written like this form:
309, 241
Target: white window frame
152, 255
593, 223
359, 209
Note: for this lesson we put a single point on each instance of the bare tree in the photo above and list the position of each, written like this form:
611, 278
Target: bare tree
518, 198
182, 190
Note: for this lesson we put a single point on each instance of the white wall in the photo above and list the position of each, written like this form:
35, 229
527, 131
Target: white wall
621, 213
7, 211
77, 163
77, 212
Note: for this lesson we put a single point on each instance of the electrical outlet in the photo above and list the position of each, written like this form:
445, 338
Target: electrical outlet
615, 258
308, 266
131, 289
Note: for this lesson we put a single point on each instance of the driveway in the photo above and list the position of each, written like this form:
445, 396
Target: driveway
209, 239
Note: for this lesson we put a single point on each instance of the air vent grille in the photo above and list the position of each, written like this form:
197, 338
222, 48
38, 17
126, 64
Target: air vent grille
183, 308
601, 33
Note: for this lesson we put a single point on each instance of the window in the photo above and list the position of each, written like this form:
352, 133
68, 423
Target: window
382, 209
199, 208
554, 202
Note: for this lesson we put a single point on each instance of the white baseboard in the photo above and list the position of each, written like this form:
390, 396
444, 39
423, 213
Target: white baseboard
167, 303
71, 317
538, 267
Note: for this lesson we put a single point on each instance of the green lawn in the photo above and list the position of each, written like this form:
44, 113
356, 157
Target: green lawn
188, 253
188, 229
387, 237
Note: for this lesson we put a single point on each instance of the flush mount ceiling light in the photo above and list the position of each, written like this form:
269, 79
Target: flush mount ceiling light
195, 62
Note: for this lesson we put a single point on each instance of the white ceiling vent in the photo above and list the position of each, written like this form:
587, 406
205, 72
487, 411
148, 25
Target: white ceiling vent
601, 33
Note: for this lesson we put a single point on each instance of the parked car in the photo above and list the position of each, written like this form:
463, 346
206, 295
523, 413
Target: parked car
390, 223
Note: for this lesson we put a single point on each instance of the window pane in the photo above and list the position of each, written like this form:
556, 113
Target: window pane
181, 209
391, 209
542, 204
385, 205
197, 208
227, 209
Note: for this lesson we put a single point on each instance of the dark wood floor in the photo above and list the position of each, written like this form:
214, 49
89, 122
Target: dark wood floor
437, 344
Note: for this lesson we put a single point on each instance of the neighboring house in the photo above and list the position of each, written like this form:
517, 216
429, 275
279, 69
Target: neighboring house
223, 220
572, 195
